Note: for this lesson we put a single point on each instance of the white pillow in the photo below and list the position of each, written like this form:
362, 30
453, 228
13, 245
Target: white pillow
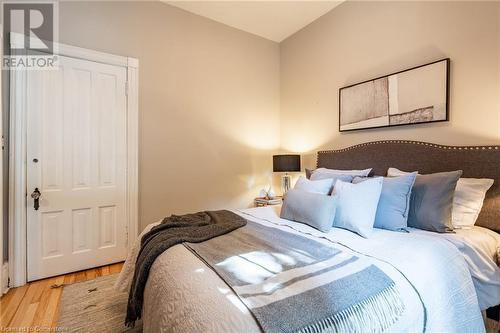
357, 205
323, 186
354, 173
467, 201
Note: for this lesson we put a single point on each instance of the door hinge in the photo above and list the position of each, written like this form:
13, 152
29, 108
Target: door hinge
126, 236
126, 88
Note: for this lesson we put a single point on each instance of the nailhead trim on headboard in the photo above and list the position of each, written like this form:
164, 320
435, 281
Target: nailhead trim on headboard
408, 142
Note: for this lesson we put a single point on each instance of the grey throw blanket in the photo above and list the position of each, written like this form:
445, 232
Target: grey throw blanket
291, 283
174, 230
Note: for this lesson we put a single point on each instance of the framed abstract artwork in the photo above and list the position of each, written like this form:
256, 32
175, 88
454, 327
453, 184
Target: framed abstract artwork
413, 96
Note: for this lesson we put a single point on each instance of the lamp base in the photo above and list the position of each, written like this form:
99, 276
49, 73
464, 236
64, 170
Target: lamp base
286, 183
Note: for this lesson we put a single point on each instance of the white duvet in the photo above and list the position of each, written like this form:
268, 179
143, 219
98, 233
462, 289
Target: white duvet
184, 295
479, 247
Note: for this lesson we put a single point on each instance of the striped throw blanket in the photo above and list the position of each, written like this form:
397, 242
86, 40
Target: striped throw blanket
294, 284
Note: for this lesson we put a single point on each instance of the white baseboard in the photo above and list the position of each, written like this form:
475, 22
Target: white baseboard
4, 284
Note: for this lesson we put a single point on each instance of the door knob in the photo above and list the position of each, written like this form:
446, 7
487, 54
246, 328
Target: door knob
36, 198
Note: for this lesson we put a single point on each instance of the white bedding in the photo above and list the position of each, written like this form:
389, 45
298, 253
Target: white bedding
183, 295
479, 247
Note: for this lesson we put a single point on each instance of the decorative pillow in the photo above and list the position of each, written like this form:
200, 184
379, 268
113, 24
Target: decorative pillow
357, 205
432, 200
394, 204
468, 199
325, 171
316, 210
322, 186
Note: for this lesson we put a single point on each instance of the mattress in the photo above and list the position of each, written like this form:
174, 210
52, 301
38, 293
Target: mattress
184, 295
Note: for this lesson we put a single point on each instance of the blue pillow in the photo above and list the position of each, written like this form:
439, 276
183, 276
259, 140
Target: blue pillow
316, 210
394, 204
357, 205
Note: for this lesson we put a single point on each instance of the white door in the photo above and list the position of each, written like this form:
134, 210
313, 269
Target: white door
76, 158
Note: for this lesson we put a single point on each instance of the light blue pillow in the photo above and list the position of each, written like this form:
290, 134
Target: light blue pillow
357, 205
394, 204
316, 210
322, 186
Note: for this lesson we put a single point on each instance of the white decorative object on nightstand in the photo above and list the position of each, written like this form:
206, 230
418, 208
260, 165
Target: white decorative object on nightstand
263, 201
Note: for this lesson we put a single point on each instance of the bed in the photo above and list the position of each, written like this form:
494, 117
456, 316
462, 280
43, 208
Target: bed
445, 280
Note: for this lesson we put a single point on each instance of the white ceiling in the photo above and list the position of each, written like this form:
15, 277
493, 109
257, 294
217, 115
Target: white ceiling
274, 20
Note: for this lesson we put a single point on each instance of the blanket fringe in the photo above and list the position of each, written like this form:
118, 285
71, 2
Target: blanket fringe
374, 314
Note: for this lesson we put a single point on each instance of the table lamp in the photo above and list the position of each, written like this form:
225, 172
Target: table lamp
286, 163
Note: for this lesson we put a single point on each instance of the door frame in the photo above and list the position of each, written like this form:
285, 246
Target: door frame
18, 159
3, 266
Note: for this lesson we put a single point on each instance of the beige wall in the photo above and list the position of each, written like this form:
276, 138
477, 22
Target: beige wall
208, 98
361, 40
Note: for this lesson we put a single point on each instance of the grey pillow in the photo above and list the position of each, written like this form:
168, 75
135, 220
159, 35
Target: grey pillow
334, 177
432, 201
316, 210
322, 173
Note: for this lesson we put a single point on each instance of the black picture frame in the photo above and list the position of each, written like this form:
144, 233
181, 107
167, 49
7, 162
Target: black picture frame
447, 99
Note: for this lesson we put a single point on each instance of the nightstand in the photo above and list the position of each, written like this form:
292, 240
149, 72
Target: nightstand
261, 202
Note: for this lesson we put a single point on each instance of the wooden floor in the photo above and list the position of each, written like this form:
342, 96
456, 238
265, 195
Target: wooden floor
37, 303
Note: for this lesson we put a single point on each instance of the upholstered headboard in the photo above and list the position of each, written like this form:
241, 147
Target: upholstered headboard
475, 161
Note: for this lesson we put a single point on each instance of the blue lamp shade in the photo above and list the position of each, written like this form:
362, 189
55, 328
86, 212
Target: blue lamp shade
286, 163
